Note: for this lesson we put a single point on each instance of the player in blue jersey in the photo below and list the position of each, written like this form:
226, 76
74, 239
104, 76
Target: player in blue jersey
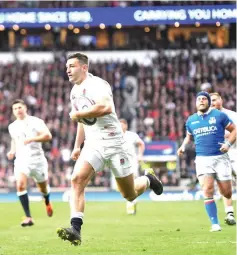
217, 102
207, 127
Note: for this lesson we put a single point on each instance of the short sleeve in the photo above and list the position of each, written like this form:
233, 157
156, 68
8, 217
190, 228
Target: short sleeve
39, 125
233, 117
102, 90
72, 96
188, 127
136, 138
225, 120
10, 131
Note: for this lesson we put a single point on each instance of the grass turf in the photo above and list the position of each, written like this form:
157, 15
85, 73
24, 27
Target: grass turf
159, 228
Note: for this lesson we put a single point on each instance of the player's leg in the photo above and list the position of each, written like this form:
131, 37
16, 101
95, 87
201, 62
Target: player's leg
121, 166
77, 202
45, 190
232, 156
224, 181
83, 172
207, 184
21, 187
131, 189
39, 171
128, 189
225, 188
131, 206
206, 176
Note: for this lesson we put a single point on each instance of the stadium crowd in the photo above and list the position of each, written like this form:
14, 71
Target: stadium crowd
156, 100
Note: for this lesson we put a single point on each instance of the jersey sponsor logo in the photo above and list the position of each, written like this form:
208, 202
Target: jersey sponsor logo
195, 122
212, 120
205, 130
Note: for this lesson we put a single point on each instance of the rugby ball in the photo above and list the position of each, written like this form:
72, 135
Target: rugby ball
83, 103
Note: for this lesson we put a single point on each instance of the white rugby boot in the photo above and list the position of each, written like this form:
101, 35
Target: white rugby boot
215, 228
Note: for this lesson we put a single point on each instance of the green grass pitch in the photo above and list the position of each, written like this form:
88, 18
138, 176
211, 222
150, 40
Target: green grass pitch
159, 228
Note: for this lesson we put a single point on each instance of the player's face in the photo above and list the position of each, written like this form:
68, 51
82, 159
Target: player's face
202, 104
75, 70
19, 111
124, 126
216, 102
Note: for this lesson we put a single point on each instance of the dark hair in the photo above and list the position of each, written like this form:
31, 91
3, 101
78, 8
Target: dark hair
18, 101
83, 59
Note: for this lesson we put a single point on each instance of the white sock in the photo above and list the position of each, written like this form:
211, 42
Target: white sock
20, 193
47, 191
229, 209
148, 182
132, 202
77, 215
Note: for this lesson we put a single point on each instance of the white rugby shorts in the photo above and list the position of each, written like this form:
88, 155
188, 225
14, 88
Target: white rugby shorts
219, 166
233, 159
113, 154
37, 169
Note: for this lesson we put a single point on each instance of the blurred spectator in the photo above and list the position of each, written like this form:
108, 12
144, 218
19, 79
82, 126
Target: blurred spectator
159, 98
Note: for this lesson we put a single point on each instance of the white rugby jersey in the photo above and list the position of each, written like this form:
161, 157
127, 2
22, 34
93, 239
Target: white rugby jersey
106, 127
233, 116
132, 139
20, 130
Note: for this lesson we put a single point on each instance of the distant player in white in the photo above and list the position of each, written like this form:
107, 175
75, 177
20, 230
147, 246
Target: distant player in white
217, 102
136, 148
103, 144
27, 134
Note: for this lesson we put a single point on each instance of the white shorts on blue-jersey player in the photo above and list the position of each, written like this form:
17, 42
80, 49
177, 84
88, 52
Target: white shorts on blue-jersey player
219, 166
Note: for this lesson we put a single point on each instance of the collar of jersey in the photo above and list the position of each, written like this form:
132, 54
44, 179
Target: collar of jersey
206, 113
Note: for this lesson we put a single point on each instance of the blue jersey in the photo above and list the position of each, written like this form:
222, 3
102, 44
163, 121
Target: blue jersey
208, 131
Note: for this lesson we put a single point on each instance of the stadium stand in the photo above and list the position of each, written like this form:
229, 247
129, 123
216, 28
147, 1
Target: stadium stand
164, 96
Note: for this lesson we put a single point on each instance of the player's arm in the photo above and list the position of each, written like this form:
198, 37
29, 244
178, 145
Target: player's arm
101, 108
231, 138
141, 148
186, 140
229, 126
234, 120
11, 153
232, 135
43, 135
80, 137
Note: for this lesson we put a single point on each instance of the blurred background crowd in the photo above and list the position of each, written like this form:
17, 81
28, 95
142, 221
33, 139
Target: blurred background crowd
164, 96
156, 99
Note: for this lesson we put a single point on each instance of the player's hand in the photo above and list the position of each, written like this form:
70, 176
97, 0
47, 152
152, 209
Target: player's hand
10, 155
27, 141
73, 116
224, 147
180, 151
75, 154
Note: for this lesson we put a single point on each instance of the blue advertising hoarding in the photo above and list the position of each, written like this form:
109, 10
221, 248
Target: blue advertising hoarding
160, 148
110, 16
160, 151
